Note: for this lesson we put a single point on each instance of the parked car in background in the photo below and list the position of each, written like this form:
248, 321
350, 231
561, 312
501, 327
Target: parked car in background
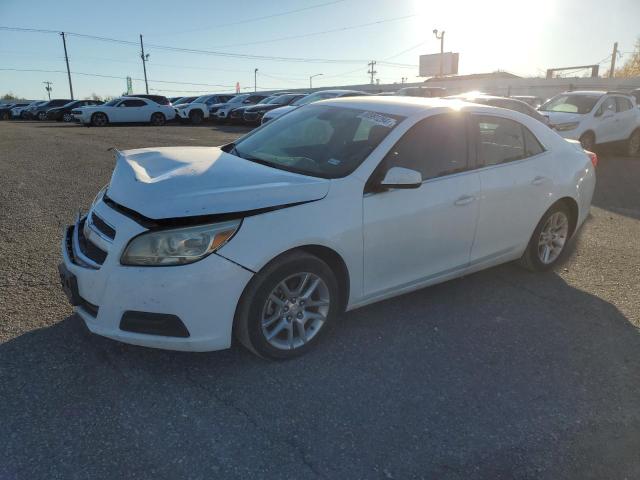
254, 114
239, 100
184, 101
63, 113
235, 114
20, 112
427, 92
502, 102
334, 206
531, 100
312, 97
198, 110
39, 112
636, 94
172, 100
596, 118
125, 110
6, 108
159, 99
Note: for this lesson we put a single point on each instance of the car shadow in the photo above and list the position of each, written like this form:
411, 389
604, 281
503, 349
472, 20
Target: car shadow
501, 374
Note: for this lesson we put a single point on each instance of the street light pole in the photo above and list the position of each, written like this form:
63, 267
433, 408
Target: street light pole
441, 38
310, 79
255, 80
144, 58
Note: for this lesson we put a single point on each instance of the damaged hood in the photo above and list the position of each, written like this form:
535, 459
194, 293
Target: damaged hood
175, 182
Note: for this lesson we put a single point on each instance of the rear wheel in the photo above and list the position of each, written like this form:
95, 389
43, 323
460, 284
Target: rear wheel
196, 117
588, 141
99, 119
42, 116
67, 117
549, 239
287, 306
158, 119
5, 116
633, 144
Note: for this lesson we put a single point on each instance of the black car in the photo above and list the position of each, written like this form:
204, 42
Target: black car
253, 114
235, 115
63, 113
5, 109
40, 112
160, 99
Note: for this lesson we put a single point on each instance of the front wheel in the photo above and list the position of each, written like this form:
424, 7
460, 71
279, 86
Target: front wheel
549, 239
99, 119
196, 117
158, 119
67, 117
633, 144
6, 115
287, 306
42, 116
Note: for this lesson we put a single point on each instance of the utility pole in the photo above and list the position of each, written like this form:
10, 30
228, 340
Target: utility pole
614, 54
48, 88
255, 80
311, 78
403, 80
144, 58
66, 59
441, 38
371, 71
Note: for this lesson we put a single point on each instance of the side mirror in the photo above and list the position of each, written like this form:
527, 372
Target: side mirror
400, 177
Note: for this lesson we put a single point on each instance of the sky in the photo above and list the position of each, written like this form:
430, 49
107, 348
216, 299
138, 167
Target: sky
521, 37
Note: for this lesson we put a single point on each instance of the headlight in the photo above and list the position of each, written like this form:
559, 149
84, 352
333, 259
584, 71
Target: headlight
561, 127
100, 194
179, 246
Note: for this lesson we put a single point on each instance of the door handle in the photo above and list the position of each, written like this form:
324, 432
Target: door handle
539, 180
464, 200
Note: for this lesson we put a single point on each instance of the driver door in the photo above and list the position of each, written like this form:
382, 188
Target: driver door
415, 235
605, 121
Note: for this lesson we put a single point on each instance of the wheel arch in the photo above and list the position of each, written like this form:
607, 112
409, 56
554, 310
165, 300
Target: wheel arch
592, 132
574, 212
99, 111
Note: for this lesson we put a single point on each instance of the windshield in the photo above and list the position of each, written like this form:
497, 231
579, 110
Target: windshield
314, 97
238, 98
201, 99
112, 103
318, 140
571, 104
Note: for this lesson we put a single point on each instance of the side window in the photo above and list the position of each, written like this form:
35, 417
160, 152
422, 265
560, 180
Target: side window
499, 140
435, 147
608, 105
133, 103
531, 144
623, 104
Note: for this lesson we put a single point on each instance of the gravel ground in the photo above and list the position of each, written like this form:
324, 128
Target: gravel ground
502, 374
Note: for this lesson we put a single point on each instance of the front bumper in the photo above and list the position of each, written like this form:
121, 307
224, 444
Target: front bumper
203, 295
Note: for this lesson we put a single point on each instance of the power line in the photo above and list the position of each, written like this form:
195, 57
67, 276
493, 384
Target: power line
249, 20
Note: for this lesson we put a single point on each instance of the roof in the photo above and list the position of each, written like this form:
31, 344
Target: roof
397, 105
593, 93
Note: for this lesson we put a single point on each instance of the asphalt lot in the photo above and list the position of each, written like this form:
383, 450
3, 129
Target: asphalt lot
503, 374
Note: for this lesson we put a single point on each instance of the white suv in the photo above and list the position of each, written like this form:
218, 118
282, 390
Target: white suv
198, 110
595, 118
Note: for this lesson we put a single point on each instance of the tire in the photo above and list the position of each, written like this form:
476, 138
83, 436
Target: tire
67, 117
99, 119
258, 316
588, 141
158, 119
196, 117
42, 116
633, 144
558, 219
6, 115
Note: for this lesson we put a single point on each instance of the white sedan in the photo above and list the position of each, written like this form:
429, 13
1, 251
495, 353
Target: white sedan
333, 206
125, 110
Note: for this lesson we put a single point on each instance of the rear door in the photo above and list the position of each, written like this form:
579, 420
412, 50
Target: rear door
412, 235
515, 175
605, 124
626, 118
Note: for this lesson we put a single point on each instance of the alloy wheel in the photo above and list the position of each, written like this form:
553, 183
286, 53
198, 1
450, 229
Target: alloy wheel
295, 311
553, 237
67, 117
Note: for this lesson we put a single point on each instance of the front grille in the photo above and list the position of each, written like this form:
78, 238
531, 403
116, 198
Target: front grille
102, 226
89, 249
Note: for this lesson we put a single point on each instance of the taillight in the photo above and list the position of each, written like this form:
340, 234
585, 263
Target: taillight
593, 157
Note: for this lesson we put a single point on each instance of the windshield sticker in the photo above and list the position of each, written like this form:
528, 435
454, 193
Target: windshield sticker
334, 161
378, 119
